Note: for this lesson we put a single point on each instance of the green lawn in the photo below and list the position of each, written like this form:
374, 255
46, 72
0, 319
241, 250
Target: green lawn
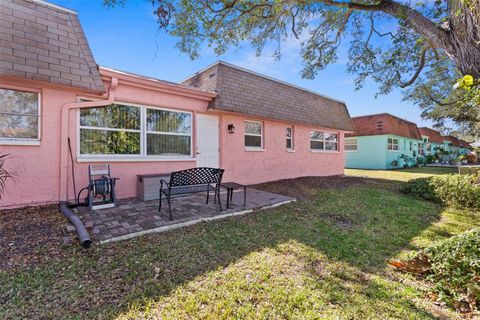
322, 257
400, 174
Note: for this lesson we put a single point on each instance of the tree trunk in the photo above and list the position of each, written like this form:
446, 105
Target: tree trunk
461, 40
463, 45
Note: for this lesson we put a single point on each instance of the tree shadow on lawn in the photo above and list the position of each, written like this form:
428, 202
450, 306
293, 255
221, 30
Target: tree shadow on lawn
358, 227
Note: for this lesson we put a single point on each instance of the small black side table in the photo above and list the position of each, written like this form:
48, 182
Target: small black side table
230, 186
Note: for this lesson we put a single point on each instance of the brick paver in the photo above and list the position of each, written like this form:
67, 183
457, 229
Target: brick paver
133, 215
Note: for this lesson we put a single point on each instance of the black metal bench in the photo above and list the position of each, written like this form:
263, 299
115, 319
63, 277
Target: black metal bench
191, 181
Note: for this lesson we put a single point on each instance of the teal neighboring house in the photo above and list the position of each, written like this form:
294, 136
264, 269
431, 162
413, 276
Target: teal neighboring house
433, 141
382, 141
455, 146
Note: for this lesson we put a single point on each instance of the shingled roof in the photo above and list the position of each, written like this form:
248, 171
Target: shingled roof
247, 92
456, 142
384, 123
433, 135
43, 41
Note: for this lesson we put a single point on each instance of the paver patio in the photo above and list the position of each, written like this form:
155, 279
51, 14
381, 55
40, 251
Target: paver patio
133, 217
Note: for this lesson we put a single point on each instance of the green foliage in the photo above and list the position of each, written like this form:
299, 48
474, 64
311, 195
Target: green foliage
430, 158
420, 188
458, 191
455, 269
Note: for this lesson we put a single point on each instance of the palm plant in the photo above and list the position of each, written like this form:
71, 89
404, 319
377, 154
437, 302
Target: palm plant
4, 174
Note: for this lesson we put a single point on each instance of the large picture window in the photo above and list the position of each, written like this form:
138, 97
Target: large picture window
19, 115
111, 130
168, 133
253, 134
125, 130
323, 141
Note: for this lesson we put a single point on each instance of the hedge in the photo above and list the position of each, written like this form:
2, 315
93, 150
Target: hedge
455, 270
458, 191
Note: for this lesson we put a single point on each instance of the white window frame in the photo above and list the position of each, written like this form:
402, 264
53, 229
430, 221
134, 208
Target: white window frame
292, 146
421, 151
392, 144
249, 148
25, 141
410, 146
323, 140
350, 144
143, 156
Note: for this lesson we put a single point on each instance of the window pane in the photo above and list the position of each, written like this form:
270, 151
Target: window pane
114, 116
253, 127
12, 101
350, 141
109, 142
288, 132
316, 145
330, 146
18, 126
330, 137
289, 143
163, 144
316, 135
167, 121
253, 141
351, 147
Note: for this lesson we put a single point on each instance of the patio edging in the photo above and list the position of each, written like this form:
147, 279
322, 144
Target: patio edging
191, 222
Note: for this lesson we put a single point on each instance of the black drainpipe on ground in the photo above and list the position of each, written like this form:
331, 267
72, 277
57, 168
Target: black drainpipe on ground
82, 232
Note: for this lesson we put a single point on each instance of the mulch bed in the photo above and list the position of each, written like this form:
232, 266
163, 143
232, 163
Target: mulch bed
30, 236
301, 188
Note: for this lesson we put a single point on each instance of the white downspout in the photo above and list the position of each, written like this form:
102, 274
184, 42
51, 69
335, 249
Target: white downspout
65, 128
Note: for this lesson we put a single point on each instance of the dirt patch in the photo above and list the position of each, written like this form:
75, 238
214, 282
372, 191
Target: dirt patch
30, 236
301, 188
339, 221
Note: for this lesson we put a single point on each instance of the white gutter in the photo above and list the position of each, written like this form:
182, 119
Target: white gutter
64, 132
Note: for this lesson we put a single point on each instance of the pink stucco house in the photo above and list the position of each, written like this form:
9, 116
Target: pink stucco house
51, 92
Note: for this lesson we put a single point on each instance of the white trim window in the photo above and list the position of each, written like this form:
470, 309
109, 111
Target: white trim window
168, 133
253, 134
392, 144
351, 144
323, 141
19, 117
289, 137
410, 147
127, 131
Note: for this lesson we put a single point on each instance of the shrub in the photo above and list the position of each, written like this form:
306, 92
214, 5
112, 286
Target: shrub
455, 270
459, 191
420, 188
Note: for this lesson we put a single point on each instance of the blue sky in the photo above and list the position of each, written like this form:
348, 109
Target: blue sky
127, 38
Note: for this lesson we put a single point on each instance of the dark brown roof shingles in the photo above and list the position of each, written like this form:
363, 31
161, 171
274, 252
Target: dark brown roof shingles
245, 92
46, 43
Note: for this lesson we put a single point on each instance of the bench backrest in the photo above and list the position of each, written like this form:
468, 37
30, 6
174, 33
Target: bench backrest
196, 176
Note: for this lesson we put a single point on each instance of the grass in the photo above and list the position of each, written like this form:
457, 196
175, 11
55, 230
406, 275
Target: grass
322, 257
400, 174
